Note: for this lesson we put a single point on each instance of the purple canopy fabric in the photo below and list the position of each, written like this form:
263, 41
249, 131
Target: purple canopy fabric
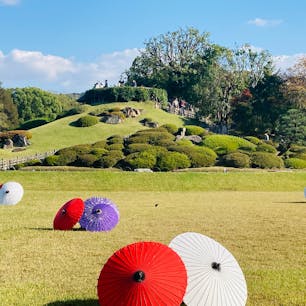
100, 214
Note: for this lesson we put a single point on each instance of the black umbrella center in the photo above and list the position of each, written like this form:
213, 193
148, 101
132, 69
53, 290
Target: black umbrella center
216, 266
7, 191
139, 276
98, 211
63, 211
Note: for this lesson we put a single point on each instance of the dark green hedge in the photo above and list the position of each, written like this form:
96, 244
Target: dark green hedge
124, 94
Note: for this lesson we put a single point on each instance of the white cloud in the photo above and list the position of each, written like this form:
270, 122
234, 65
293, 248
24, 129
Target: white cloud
9, 2
259, 22
20, 68
283, 62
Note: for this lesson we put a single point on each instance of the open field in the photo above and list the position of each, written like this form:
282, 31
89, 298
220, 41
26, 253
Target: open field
259, 217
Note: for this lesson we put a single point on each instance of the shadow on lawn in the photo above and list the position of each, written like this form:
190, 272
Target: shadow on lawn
292, 202
90, 302
52, 229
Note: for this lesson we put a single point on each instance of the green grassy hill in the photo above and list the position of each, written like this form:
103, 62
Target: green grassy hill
61, 133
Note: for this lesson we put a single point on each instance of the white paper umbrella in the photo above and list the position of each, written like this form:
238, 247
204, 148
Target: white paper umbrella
214, 277
10, 193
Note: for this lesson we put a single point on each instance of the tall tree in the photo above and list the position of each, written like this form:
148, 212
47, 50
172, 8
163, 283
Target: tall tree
295, 85
35, 103
173, 61
8, 110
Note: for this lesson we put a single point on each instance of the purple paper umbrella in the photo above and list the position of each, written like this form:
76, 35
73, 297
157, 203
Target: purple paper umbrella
100, 214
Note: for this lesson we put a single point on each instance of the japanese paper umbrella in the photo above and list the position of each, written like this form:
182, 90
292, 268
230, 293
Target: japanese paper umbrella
69, 214
214, 276
143, 274
100, 214
10, 193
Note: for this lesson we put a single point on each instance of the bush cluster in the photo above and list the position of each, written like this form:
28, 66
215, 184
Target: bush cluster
295, 163
124, 94
266, 160
236, 160
225, 144
87, 121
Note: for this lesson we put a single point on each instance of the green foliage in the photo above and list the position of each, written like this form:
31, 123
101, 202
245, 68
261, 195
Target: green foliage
66, 156
236, 159
169, 161
36, 103
31, 124
144, 159
123, 94
51, 160
115, 139
153, 137
98, 152
199, 156
291, 128
114, 146
110, 159
171, 128
87, 121
253, 140
264, 147
99, 144
85, 160
8, 111
266, 160
195, 130
295, 163
225, 144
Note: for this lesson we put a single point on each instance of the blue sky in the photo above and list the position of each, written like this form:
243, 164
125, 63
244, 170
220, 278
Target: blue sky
68, 45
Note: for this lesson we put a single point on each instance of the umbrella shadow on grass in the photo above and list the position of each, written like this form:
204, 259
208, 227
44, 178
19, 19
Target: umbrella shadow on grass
292, 202
89, 302
80, 229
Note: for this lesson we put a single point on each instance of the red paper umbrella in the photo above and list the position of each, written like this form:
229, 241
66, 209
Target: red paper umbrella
69, 214
143, 273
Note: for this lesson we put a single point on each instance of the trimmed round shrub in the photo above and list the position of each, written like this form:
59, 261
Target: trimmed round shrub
114, 146
236, 160
171, 128
85, 160
253, 139
184, 142
169, 161
295, 163
51, 160
198, 156
98, 152
80, 149
139, 147
114, 139
31, 124
266, 160
33, 162
225, 144
264, 147
110, 159
66, 156
152, 137
99, 144
300, 156
195, 130
87, 121
297, 149
145, 159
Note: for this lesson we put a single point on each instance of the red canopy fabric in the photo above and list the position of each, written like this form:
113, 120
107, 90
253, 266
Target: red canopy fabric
143, 273
69, 214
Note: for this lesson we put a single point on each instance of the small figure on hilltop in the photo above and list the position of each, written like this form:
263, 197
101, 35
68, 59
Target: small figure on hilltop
134, 83
105, 84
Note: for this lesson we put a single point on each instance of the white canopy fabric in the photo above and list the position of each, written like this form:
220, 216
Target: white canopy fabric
10, 193
214, 277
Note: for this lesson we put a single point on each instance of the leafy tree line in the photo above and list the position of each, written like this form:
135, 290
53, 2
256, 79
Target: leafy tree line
21, 105
233, 88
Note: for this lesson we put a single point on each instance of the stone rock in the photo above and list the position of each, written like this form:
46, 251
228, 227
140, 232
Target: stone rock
20, 141
8, 144
194, 138
112, 119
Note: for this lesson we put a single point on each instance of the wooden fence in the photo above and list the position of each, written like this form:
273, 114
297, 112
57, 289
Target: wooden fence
7, 164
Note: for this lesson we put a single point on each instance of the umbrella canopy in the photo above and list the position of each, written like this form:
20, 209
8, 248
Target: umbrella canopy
143, 273
69, 214
10, 193
214, 276
100, 214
